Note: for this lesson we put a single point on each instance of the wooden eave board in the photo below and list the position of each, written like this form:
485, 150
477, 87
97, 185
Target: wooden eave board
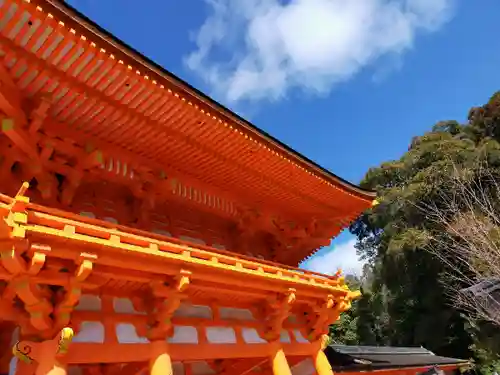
105, 90
127, 252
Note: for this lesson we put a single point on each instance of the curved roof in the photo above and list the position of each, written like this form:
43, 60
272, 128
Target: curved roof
346, 358
68, 12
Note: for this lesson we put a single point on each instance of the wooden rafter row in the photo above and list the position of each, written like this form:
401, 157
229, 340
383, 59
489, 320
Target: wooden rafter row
38, 149
87, 64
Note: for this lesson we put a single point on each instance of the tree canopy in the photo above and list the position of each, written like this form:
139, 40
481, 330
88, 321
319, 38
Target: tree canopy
405, 297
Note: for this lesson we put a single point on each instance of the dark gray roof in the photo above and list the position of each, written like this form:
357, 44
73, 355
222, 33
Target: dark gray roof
366, 358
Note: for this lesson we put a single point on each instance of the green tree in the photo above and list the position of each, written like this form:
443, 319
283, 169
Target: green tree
344, 330
407, 302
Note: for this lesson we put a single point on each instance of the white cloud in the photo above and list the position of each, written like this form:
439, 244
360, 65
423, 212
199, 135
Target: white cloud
259, 49
341, 256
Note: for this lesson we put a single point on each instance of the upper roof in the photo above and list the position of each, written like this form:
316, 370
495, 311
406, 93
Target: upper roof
366, 358
161, 119
194, 93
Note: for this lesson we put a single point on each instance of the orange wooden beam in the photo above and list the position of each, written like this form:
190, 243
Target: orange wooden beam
243, 366
299, 192
14, 131
107, 353
118, 249
10, 98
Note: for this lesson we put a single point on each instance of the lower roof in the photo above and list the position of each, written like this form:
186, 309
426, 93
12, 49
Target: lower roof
366, 358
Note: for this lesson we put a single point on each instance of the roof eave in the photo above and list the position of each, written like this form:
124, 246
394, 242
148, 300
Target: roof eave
72, 13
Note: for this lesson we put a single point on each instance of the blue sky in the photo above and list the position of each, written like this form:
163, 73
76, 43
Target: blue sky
347, 83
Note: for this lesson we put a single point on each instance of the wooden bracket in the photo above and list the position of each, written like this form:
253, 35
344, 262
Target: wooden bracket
17, 210
144, 204
328, 313
12, 261
33, 296
91, 160
38, 257
13, 234
35, 303
68, 190
85, 265
278, 312
12, 129
174, 294
88, 160
39, 114
20, 270
71, 294
8, 310
36, 159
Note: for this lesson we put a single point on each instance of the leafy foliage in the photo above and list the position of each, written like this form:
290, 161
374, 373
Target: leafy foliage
405, 301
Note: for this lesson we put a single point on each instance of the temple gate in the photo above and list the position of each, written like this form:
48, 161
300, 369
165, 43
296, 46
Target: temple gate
144, 227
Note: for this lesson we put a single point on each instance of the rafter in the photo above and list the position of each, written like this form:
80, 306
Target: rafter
82, 88
10, 97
